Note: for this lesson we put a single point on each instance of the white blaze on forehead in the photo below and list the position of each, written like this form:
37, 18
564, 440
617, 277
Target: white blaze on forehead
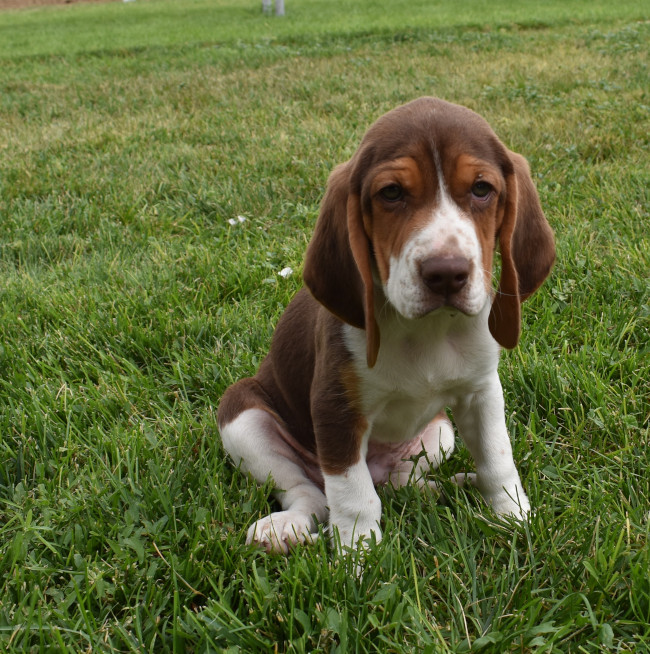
447, 233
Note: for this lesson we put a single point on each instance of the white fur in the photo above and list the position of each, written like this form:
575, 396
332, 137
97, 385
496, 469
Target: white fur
481, 423
355, 507
445, 359
250, 441
449, 233
423, 366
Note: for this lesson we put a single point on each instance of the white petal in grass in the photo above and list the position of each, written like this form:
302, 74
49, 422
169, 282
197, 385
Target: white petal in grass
285, 272
239, 219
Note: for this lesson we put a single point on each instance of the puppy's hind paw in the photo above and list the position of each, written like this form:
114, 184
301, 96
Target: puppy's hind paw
281, 531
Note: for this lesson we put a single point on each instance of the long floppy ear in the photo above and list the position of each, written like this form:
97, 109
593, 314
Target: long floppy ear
527, 252
337, 269
360, 246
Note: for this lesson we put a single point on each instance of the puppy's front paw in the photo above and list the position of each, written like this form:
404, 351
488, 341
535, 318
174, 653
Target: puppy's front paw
352, 534
513, 502
281, 531
354, 540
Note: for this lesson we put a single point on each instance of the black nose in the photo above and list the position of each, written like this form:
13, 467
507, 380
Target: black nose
445, 276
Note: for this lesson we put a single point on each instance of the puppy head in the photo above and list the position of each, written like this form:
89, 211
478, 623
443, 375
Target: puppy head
418, 212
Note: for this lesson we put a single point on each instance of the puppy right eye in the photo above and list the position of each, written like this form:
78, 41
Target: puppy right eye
482, 190
392, 193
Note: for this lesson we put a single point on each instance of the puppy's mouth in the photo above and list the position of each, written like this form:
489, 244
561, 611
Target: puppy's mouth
451, 306
468, 302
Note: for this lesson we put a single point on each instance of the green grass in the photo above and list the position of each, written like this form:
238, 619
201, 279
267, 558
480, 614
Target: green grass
129, 136
149, 23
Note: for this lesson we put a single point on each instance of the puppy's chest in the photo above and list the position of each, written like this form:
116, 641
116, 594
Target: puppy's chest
415, 377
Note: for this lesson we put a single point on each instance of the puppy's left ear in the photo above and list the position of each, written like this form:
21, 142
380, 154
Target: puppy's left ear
527, 252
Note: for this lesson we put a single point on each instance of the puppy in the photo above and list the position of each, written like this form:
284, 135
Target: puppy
398, 320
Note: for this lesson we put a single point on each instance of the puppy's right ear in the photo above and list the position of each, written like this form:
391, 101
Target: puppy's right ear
330, 272
337, 268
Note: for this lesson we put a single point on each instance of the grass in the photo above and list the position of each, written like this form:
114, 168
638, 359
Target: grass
128, 303
150, 23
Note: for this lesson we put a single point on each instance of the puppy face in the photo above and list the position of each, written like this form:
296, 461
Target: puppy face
433, 234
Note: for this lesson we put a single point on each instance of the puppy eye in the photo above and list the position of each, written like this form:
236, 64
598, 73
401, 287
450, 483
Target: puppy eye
481, 190
392, 193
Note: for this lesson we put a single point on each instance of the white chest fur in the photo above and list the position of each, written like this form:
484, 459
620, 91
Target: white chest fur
423, 366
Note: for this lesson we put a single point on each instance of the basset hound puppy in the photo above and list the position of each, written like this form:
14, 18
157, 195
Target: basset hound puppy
397, 322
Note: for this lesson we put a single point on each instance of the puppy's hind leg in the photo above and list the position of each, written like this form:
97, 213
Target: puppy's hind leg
254, 439
435, 443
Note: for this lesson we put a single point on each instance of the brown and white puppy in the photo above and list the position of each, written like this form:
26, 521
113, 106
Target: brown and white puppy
397, 322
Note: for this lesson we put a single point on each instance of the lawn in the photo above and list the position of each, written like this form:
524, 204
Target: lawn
131, 137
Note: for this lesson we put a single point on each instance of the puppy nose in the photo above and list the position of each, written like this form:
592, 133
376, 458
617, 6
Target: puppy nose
445, 276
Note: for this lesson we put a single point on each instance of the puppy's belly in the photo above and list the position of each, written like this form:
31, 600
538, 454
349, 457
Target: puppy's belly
383, 458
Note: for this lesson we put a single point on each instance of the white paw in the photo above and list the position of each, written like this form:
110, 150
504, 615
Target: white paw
281, 531
357, 533
513, 503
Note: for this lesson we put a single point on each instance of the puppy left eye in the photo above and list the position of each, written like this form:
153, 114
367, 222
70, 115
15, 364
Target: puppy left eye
481, 190
392, 193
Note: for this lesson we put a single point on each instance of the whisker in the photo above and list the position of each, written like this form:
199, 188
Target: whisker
494, 284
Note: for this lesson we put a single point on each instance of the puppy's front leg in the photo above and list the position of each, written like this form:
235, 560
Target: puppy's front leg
355, 507
342, 431
481, 423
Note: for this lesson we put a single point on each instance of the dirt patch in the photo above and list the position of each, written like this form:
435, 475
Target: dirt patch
26, 4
